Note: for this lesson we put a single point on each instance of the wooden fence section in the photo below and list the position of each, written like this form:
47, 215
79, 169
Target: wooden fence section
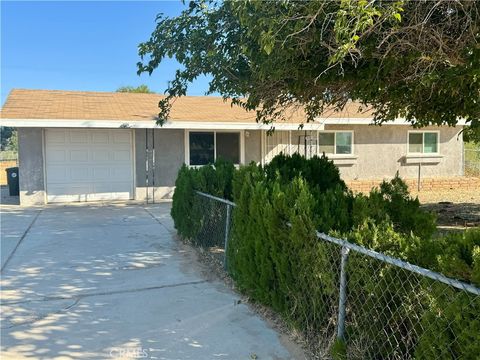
3, 165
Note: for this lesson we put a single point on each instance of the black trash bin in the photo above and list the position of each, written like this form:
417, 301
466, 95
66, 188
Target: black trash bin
12, 180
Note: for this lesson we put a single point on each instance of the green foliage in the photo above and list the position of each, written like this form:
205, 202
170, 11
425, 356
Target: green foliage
139, 89
471, 134
272, 262
457, 312
275, 257
392, 202
184, 211
339, 350
460, 255
9, 139
472, 157
404, 58
212, 179
333, 210
320, 173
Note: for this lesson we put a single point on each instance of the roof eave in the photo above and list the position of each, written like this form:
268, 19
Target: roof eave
318, 124
150, 124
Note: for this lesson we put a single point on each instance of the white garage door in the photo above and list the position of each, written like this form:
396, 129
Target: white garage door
88, 165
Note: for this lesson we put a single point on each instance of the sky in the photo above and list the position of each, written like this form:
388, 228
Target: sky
81, 45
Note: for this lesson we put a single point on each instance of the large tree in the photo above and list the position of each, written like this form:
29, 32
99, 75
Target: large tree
418, 60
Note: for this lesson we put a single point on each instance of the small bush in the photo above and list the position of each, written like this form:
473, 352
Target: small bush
392, 202
186, 211
320, 173
460, 255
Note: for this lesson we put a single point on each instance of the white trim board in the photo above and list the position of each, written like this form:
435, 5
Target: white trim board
319, 124
150, 124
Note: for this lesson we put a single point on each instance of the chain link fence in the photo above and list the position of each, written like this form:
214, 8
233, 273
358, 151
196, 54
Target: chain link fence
472, 161
214, 225
391, 309
379, 307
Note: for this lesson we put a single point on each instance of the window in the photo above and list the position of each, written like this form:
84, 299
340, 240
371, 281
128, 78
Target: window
335, 142
423, 142
202, 148
207, 146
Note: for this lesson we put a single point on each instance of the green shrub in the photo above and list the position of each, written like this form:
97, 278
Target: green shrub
319, 173
392, 202
282, 266
275, 257
436, 320
215, 179
333, 210
187, 212
460, 255
450, 324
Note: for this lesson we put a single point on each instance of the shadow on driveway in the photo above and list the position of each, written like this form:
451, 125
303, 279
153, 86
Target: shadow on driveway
96, 281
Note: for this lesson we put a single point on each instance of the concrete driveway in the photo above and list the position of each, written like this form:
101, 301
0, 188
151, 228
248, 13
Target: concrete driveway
100, 282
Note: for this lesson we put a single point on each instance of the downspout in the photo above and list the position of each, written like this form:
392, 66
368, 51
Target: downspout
153, 164
146, 162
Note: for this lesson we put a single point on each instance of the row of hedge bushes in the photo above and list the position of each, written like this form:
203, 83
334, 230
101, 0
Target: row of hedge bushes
288, 268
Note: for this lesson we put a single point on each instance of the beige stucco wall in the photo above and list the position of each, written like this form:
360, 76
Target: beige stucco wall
381, 152
30, 162
169, 156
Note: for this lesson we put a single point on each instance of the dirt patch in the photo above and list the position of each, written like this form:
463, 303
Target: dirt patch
456, 196
455, 215
456, 209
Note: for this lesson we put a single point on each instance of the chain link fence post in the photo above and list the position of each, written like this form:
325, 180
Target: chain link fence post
227, 233
396, 310
343, 295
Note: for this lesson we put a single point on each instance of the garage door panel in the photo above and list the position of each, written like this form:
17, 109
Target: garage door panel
56, 174
80, 174
88, 165
79, 136
117, 187
121, 138
120, 173
101, 174
121, 155
57, 155
100, 137
55, 136
79, 155
101, 155
71, 189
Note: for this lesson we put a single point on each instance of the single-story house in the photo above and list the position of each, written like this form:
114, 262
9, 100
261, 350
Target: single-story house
85, 146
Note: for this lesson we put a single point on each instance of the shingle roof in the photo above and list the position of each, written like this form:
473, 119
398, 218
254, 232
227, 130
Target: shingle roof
86, 105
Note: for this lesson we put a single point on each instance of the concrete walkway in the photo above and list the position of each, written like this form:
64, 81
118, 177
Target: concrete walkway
102, 282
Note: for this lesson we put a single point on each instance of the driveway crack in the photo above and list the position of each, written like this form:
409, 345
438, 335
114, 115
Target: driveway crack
103, 293
158, 221
21, 239
39, 317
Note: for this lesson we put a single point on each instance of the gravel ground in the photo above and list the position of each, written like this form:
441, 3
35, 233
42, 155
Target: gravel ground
447, 195
456, 209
